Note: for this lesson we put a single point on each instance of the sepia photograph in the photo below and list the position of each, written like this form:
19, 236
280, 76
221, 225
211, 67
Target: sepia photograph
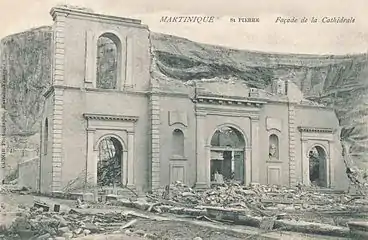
183, 120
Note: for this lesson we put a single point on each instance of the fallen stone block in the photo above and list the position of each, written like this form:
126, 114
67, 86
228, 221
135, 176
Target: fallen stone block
78, 231
88, 197
68, 235
152, 205
26, 233
141, 205
358, 230
63, 230
165, 208
267, 223
150, 236
248, 220
193, 212
223, 213
91, 227
139, 232
112, 197
125, 202
43, 206
188, 194
176, 210
44, 236
311, 227
58, 194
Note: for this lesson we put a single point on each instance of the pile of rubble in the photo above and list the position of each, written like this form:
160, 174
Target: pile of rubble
41, 223
262, 196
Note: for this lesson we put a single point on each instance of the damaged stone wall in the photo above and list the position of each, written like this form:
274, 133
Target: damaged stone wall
335, 81
28, 174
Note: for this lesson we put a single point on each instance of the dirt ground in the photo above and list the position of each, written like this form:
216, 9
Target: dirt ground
169, 227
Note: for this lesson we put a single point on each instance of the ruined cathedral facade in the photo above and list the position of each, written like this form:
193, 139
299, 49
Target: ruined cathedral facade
112, 119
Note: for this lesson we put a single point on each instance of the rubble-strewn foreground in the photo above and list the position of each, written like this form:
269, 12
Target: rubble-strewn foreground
230, 207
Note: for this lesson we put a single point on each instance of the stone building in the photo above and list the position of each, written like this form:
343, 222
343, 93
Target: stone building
113, 118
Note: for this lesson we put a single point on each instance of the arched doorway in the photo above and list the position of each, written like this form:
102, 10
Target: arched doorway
109, 162
227, 155
317, 166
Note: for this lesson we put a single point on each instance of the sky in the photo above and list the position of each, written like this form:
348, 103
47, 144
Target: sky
265, 36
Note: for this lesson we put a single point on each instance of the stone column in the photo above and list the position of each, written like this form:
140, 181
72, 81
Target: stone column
305, 163
131, 149
202, 162
91, 161
124, 168
255, 149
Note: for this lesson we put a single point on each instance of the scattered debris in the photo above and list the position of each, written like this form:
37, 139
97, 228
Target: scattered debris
257, 198
129, 224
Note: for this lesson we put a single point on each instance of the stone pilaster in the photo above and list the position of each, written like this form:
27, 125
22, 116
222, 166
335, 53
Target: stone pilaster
91, 160
292, 142
57, 138
59, 50
305, 162
124, 166
129, 67
154, 133
203, 181
330, 169
90, 59
248, 165
255, 149
58, 79
4, 77
131, 150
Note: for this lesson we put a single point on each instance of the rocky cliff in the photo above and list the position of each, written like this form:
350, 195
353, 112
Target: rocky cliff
26, 70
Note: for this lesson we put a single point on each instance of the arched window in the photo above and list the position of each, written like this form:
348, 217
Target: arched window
178, 143
108, 59
46, 136
274, 147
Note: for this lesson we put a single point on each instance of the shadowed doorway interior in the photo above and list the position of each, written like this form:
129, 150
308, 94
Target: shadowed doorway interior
227, 155
317, 167
109, 162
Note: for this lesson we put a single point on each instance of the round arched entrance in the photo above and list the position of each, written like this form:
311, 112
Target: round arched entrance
227, 155
109, 162
317, 166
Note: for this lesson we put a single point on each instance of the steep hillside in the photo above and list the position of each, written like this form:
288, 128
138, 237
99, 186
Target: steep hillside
26, 65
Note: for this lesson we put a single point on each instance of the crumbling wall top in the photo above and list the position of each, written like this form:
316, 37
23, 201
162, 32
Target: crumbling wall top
89, 14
